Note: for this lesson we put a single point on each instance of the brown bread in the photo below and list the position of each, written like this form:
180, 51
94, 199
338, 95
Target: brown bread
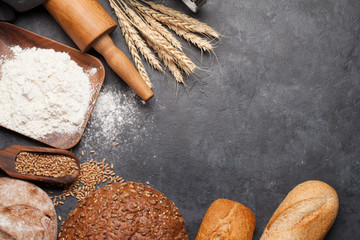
125, 211
26, 212
307, 213
227, 220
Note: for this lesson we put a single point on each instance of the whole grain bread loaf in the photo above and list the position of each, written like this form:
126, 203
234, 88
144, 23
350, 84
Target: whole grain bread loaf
125, 211
26, 212
307, 213
227, 220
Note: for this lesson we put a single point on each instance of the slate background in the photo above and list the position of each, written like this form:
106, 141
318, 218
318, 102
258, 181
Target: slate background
278, 105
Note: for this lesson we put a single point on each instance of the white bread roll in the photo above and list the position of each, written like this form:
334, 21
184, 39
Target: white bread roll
227, 220
307, 212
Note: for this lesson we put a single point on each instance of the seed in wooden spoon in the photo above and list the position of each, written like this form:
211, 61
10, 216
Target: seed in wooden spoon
41, 164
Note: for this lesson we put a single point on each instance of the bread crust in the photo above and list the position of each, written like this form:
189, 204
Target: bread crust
227, 220
26, 212
125, 211
307, 212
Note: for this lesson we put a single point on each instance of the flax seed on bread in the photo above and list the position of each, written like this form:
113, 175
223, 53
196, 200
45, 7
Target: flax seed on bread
123, 211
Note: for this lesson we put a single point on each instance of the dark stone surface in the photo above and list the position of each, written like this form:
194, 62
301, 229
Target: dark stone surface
278, 105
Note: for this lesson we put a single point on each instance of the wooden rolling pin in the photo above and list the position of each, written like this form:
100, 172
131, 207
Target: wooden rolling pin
88, 25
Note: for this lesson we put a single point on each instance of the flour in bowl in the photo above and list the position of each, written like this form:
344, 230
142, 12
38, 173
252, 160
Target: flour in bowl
43, 92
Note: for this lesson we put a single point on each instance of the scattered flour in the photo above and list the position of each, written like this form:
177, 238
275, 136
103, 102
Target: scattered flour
116, 114
113, 110
43, 92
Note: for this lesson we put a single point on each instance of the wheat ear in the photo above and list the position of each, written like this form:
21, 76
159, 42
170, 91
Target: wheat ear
168, 61
188, 22
160, 43
175, 72
156, 25
135, 38
176, 26
135, 54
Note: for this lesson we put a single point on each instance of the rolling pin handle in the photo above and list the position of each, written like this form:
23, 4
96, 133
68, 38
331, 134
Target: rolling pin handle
122, 66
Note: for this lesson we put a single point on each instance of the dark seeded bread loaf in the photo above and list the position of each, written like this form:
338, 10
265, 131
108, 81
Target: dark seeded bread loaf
307, 213
26, 212
227, 220
125, 211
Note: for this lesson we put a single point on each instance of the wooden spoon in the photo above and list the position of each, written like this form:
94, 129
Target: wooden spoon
8, 157
11, 35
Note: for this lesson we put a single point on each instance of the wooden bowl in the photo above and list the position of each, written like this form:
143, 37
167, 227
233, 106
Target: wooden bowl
11, 35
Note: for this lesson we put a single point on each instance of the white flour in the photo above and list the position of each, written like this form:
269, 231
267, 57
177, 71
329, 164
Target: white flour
116, 114
113, 111
43, 92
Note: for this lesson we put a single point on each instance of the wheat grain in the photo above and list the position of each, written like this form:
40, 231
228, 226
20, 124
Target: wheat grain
42, 164
188, 22
92, 173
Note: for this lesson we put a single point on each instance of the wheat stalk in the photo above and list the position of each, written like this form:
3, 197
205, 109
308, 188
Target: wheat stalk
174, 25
133, 50
163, 31
168, 61
156, 25
161, 17
189, 23
135, 38
175, 72
193, 38
159, 43
135, 54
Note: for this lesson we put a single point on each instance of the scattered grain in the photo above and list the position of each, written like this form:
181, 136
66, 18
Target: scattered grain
92, 174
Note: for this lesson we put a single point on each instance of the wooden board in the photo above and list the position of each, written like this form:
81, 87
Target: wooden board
11, 35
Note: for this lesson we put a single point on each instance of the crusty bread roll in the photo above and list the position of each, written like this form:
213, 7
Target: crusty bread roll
26, 212
125, 211
307, 212
227, 220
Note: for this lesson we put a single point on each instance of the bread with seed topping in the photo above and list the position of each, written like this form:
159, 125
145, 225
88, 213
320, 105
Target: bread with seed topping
307, 213
127, 210
227, 220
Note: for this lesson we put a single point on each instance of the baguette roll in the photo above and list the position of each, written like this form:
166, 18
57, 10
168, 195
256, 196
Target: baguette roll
307, 212
227, 220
